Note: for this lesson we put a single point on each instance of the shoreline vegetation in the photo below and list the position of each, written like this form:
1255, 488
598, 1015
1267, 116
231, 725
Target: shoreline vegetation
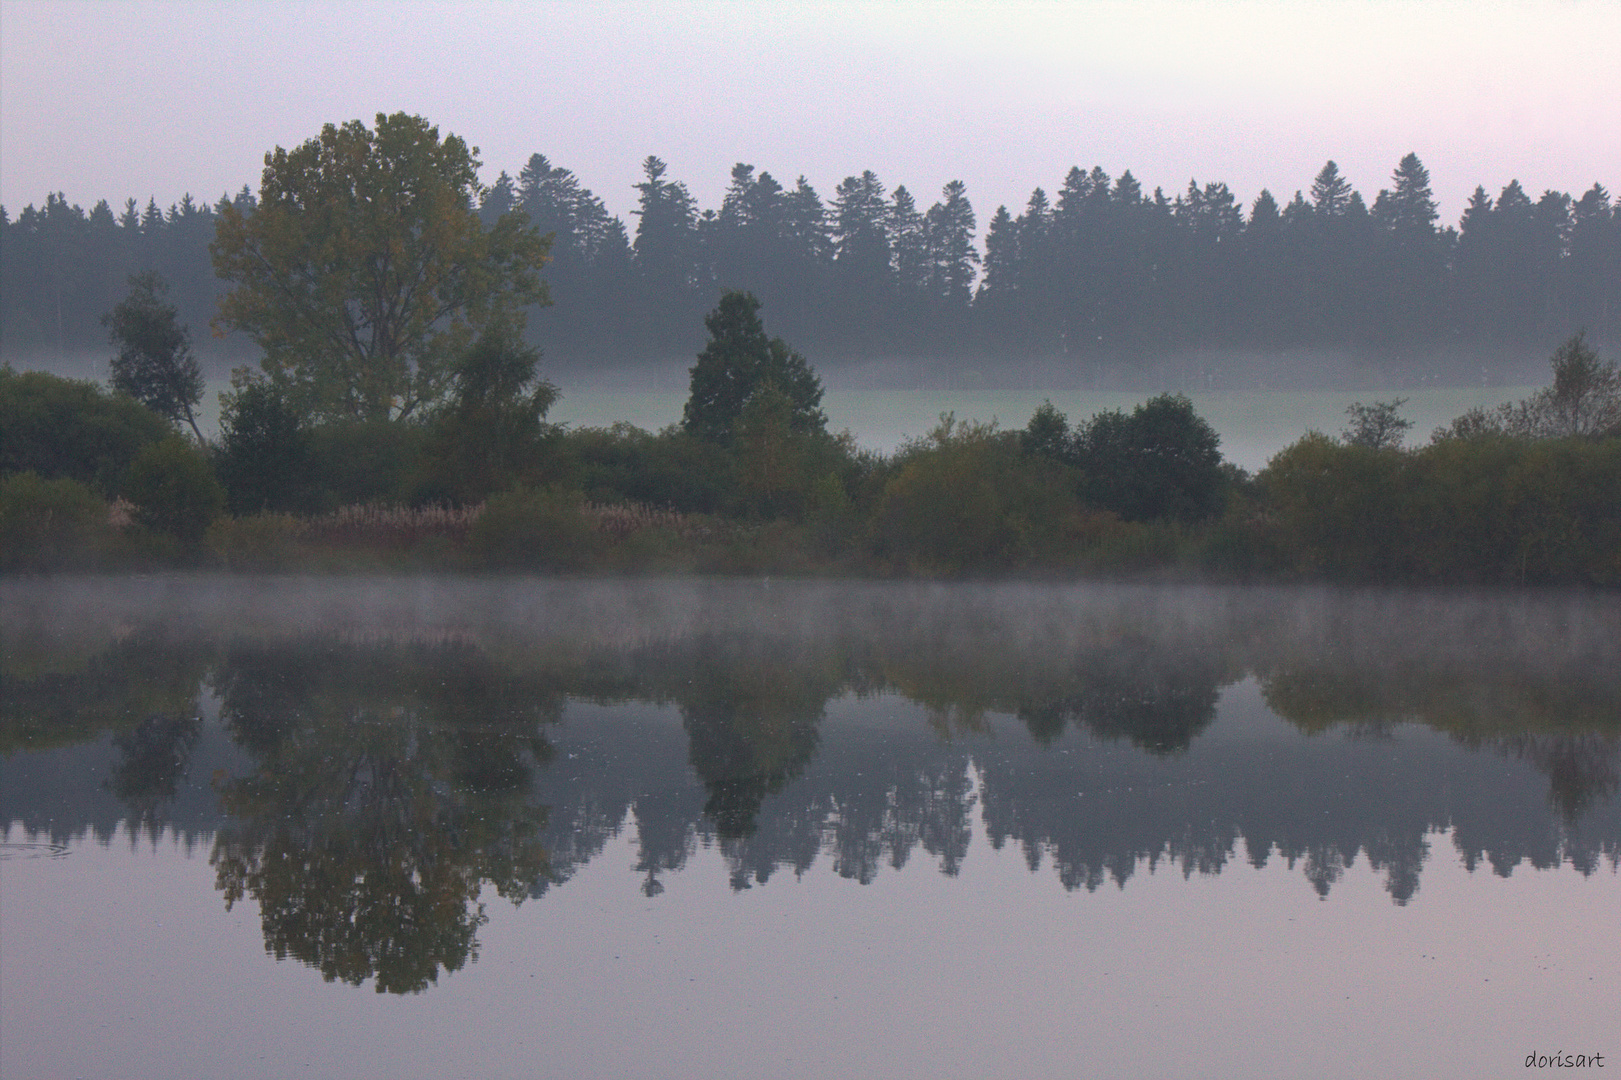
396, 420
1528, 494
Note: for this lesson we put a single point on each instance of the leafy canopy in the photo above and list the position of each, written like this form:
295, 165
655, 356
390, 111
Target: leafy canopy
364, 271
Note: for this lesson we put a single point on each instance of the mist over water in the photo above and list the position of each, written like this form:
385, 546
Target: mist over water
539, 798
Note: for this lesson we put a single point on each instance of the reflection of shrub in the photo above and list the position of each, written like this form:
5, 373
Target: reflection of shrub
50, 524
260, 542
544, 528
174, 490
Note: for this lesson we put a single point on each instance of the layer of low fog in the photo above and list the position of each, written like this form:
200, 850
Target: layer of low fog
1044, 623
1257, 405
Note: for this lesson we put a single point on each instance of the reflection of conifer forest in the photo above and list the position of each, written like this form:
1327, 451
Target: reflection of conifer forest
1097, 275
363, 786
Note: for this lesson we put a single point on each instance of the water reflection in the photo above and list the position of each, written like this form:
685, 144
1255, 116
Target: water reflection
391, 783
369, 766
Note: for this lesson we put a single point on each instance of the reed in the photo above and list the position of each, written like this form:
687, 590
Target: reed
377, 525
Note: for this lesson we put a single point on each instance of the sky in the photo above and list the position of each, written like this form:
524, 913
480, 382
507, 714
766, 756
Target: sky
118, 99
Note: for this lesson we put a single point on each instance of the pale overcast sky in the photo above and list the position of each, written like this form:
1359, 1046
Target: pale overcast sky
108, 100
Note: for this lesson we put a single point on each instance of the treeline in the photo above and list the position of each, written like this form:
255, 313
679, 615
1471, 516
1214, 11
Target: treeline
1097, 277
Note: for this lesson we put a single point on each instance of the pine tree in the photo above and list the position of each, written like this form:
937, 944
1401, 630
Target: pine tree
740, 360
949, 235
1330, 192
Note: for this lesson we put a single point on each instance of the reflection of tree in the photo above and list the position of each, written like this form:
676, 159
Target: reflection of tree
1567, 726
155, 757
392, 783
144, 675
1582, 770
751, 708
1158, 700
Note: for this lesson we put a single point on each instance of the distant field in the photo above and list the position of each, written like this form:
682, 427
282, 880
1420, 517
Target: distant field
1253, 424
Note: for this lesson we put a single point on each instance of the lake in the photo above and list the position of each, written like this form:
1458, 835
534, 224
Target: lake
424, 827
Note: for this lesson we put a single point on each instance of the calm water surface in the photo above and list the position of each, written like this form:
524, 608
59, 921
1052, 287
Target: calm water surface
430, 827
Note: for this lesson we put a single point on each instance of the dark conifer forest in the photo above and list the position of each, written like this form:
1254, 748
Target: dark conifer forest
1094, 282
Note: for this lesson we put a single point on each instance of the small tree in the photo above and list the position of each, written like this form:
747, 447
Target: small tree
1585, 398
155, 364
738, 361
1584, 401
1162, 461
1378, 426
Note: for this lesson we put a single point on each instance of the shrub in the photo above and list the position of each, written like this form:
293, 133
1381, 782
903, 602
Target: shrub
1340, 508
174, 490
491, 433
528, 528
64, 427
627, 464
965, 498
50, 524
1487, 509
1162, 461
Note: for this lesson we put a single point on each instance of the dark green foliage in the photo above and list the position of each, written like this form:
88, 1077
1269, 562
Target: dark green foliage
737, 362
1584, 401
668, 469
1379, 426
64, 427
1487, 510
1161, 461
532, 529
492, 433
50, 524
1105, 276
778, 463
264, 457
155, 364
364, 461
174, 490
1048, 435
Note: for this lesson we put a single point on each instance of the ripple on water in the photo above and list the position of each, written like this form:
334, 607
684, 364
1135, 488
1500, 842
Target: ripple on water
32, 851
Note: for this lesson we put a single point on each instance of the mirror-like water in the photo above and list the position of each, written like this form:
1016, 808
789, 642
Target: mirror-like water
425, 827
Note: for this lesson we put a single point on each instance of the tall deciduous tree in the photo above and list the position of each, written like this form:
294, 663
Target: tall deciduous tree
364, 271
155, 364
